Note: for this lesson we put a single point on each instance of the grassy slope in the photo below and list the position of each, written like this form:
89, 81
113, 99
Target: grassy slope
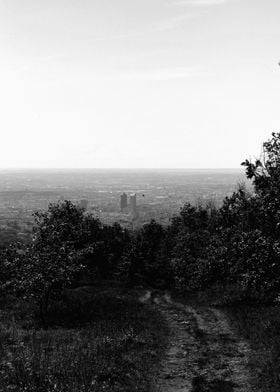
261, 326
97, 342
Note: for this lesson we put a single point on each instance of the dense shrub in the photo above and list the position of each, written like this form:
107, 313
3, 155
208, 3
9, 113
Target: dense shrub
145, 259
237, 245
67, 243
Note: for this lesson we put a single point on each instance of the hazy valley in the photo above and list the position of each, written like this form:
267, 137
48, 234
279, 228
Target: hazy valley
159, 193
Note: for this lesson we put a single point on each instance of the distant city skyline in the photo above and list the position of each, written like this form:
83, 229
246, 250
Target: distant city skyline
137, 83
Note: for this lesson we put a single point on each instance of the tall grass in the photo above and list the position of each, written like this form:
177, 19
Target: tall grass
113, 346
261, 326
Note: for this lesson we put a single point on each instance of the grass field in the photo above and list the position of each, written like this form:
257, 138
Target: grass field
261, 326
96, 342
258, 324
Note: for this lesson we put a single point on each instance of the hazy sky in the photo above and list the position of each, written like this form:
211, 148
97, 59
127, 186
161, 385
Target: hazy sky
137, 83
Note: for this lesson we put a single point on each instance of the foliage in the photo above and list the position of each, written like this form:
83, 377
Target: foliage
102, 257
42, 269
144, 260
11, 260
249, 260
234, 249
65, 223
237, 244
240, 211
189, 244
265, 173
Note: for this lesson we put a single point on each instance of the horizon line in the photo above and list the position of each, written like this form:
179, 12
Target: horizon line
120, 168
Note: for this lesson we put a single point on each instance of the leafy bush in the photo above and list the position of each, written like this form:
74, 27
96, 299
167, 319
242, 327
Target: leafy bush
144, 260
66, 243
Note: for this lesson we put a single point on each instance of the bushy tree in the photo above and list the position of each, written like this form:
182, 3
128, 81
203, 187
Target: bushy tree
265, 171
144, 260
11, 261
115, 240
65, 223
191, 233
246, 260
265, 174
43, 269
194, 217
241, 211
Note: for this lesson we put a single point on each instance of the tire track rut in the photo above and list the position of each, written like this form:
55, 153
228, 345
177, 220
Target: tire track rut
204, 354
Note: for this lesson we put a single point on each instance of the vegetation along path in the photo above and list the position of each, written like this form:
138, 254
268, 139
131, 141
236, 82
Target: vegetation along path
205, 354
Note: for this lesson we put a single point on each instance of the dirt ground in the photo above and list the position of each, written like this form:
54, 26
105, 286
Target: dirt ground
205, 354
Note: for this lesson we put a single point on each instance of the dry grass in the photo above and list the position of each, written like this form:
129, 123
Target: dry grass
258, 324
99, 343
261, 326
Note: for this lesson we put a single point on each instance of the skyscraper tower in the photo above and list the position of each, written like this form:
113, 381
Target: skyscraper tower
132, 203
123, 201
84, 204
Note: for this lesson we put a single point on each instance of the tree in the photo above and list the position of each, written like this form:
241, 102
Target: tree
54, 259
115, 240
144, 260
265, 173
240, 211
65, 223
194, 218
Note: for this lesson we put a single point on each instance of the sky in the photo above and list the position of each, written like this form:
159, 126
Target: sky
137, 83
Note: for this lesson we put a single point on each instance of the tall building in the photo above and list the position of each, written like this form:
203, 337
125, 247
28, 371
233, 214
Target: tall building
123, 202
84, 203
132, 203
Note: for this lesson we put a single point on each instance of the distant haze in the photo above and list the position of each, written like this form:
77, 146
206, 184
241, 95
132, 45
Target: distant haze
137, 83
159, 193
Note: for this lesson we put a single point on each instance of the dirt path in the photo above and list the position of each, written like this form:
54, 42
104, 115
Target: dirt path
205, 354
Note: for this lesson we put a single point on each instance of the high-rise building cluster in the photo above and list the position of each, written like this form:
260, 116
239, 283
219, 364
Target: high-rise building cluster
130, 207
123, 202
84, 203
132, 204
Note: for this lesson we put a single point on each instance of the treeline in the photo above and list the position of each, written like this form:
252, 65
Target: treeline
235, 248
